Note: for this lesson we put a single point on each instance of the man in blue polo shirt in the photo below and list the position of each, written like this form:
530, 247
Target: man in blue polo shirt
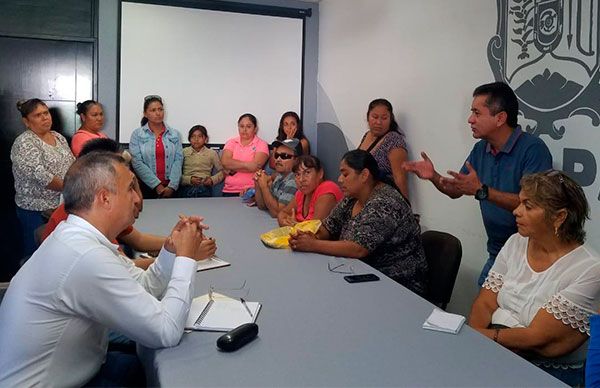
494, 167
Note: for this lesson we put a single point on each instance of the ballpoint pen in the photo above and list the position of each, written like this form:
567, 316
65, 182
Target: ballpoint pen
246, 306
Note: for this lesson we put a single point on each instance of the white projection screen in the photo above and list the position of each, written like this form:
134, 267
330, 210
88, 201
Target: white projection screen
209, 67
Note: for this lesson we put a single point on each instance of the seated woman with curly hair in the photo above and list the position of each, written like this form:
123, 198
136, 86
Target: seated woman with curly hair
545, 284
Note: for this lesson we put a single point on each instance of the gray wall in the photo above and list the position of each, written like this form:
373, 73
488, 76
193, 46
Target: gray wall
108, 35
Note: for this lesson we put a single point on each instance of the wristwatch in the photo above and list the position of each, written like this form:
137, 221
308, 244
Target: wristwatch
482, 193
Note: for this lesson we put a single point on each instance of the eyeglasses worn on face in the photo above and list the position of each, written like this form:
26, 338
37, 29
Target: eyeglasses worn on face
282, 156
153, 97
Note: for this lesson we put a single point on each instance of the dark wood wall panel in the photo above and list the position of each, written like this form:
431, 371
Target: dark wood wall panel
47, 51
67, 18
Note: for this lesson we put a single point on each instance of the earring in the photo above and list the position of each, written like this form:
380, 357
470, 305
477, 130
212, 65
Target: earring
556, 231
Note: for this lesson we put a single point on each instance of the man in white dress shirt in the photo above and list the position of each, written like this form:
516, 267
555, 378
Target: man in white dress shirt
56, 314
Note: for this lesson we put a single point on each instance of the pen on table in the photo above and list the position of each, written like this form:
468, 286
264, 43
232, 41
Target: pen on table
246, 306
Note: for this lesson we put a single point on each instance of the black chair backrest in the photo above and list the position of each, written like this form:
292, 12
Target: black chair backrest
443, 252
3, 288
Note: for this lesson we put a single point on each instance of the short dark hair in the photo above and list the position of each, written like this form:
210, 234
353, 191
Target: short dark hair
385, 103
299, 132
25, 107
308, 161
200, 128
500, 98
553, 191
358, 160
88, 175
250, 117
147, 101
100, 145
83, 107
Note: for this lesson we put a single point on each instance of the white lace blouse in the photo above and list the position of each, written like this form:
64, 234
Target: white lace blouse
569, 290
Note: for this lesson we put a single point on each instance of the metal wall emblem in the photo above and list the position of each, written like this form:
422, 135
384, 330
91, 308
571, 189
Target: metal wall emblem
548, 52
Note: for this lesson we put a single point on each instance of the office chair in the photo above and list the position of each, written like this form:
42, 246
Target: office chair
443, 252
3, 288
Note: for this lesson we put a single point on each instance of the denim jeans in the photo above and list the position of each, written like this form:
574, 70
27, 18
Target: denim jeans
486, 268
120, 369
570, 376
30, 220
194, 191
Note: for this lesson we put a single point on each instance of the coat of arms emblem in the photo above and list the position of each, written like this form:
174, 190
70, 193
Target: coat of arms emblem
548, 51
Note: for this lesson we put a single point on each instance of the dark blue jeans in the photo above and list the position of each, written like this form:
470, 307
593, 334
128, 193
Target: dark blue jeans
30, 220
486, 268
121, 369
194, 191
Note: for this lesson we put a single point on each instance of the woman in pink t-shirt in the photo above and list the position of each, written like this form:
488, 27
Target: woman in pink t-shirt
315, 197
92, 120
242, 156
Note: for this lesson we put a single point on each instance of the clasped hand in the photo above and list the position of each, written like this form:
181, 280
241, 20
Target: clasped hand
187, 239
262, 178
302, 241
197, 181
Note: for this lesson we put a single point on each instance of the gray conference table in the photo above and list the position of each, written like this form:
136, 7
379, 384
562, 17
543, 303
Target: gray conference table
315, 329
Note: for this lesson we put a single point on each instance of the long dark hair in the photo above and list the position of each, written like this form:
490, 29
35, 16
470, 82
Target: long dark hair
299, 132
358, 160
383, 102
147, 101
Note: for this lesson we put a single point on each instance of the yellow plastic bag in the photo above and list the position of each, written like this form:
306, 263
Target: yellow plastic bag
279, 237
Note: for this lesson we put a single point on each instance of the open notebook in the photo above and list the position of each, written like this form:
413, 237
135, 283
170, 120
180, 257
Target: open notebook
210, 263
220, 314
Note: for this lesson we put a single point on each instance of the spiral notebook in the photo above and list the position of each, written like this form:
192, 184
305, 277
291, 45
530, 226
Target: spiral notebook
221, 313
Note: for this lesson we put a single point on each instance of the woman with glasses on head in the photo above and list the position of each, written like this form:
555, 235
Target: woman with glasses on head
40, 159
545, 283
156, 152
242, 156
386, 142
91, 115
373, 223
315, 196
199, 162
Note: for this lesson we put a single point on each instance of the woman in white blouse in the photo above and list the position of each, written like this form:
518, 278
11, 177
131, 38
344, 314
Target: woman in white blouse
545, 284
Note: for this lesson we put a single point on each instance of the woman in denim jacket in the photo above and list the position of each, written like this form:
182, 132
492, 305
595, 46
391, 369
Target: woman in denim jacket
156, 152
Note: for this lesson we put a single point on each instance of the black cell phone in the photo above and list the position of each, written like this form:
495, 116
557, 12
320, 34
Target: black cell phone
367, 277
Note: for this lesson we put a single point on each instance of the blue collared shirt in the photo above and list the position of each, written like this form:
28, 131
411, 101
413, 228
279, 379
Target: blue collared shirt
143, 154
522, 154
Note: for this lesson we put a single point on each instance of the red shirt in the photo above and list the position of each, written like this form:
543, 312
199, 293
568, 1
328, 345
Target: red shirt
159, 149
326, 187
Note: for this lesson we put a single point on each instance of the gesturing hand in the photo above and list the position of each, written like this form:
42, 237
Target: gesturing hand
465, 184
422, 168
